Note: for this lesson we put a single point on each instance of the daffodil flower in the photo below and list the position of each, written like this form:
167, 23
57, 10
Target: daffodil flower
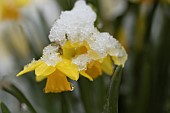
55, 68
77, 48
9, 9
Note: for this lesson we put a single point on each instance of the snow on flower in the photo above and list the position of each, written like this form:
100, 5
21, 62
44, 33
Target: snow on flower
77, 47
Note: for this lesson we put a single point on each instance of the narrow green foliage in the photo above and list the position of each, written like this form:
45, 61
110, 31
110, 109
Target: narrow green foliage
13, 90
87, 96
111, 105
64, 104
4, 108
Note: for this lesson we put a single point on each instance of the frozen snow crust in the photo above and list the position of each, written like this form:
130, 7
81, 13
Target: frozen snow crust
77, 26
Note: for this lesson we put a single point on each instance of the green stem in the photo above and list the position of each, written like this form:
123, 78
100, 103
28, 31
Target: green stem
111, 105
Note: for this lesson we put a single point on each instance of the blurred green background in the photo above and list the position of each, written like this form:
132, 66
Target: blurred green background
141, 26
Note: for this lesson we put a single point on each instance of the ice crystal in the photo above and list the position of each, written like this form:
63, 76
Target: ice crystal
50, 55
81, 61
75, 25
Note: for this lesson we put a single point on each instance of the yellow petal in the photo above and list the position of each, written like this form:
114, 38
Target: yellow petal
107, 66
68, 68
119, 60
21, 3
69, 44
9, 11
94, 69
83, 73
44, 70
68, 53
70, 50
40, 78
30, 67
81, 50
57, 82
93, 54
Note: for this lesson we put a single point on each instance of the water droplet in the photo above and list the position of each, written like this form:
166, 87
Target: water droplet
72, 86
24, 107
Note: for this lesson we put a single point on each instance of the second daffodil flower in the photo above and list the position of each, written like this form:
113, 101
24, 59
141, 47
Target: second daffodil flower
9, 9
77, 47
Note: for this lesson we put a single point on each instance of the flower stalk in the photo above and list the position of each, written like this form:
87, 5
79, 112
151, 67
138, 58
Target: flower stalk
111, 105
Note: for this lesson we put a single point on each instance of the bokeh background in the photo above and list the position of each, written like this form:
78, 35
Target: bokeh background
141, 26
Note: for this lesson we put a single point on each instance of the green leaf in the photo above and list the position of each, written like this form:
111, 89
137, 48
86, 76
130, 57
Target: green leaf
4, 108
111, 105
64, 103
86, 96
13, 90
